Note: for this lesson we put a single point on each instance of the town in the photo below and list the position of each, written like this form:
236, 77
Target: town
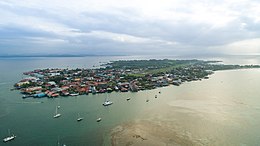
117, 76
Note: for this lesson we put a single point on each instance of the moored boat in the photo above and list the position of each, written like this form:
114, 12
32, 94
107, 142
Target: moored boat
56, 115
98, 119
74, 94
79, 118
9, 138
107, 102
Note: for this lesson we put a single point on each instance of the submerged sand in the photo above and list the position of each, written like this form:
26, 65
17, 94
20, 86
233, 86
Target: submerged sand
180, 123
146, 133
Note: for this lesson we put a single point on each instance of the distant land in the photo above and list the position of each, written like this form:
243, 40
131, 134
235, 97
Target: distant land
58, 55
191, 56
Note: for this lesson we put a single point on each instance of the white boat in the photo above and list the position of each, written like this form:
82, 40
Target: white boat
56, 115
9, 138
79, 118
74, 94
128, 98
107, 102
98, 119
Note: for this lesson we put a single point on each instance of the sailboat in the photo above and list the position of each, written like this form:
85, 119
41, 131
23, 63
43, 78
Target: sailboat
9, 137
79, 118
57, 115
107, 102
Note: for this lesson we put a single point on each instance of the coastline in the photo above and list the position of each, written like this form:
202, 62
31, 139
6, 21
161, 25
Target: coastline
123, 76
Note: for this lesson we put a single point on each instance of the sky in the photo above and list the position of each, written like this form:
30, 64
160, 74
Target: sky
133, 27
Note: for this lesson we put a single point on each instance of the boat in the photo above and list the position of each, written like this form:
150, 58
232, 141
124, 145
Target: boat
57, 115
147, 100
128, 98
79, 118
155, 96
98, 119
9, 137
74, 94
107, 102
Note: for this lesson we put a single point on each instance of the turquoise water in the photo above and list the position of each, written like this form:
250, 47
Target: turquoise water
33, 122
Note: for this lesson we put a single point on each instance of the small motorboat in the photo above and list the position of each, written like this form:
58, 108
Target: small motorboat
9, 138
98, 119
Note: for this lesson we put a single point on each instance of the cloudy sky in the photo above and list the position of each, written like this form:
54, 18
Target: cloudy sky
174, 27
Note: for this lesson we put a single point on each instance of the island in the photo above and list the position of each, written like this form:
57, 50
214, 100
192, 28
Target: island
117, 76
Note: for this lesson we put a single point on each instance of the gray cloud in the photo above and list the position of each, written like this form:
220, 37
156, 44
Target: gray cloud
119, 27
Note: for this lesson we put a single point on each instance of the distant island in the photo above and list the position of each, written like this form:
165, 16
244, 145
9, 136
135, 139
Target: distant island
56, 55
117, 76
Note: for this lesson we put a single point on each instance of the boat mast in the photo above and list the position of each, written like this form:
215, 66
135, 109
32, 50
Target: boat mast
56, 112
106, 98
58, 141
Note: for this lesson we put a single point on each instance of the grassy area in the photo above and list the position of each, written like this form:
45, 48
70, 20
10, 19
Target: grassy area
166, 69
136, 75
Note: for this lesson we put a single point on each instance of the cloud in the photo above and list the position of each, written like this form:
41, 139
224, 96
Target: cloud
130, 27
246, 47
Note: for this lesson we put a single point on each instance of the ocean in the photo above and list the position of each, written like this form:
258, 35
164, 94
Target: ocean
223, 110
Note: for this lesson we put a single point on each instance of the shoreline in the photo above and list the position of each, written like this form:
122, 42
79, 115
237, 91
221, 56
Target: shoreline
118, 76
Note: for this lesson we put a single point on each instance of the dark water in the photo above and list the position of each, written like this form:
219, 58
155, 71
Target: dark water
33, 123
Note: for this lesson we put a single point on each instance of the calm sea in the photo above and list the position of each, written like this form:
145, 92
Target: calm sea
230, 97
